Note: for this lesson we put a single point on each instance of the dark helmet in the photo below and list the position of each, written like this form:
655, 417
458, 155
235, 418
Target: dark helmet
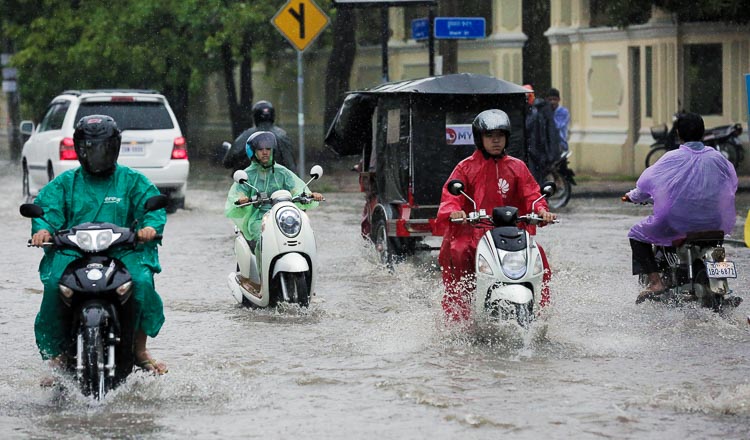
489, 120
258, 141
97, 143
263, 112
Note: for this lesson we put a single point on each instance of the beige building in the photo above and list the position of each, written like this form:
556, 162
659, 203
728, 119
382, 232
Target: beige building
617, 83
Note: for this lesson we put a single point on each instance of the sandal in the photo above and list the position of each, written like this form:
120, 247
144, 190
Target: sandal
154, 367
648, 294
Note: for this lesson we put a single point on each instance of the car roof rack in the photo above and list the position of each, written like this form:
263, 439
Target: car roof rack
80, 92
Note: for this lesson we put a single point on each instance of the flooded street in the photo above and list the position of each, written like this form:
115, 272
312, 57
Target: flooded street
372, 358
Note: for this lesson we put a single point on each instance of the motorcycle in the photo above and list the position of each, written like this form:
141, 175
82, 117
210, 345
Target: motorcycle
559, 173
288, 253
695, 269
97, 288
725, 139
508, 264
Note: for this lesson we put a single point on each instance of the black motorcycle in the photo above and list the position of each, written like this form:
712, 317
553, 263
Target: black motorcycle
97, 288
725, 139
696, 269
563, 177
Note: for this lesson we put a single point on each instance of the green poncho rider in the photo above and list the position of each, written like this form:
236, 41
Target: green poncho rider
267, 176
99, 190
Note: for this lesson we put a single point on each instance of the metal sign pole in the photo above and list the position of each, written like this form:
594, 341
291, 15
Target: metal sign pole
301, 113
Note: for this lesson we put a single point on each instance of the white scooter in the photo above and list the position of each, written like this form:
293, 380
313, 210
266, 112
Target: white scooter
288, 255
508, 265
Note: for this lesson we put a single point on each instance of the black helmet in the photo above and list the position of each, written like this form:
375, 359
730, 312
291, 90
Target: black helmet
263, 112
97, 143
490, 120
261, 140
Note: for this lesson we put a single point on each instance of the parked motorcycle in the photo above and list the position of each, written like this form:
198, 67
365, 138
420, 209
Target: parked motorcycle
288, 253
563, 177
97, 289
508, 264
725, 138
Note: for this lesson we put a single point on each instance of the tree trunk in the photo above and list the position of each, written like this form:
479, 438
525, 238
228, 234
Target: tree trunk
448, 49
245, 105
228, 68
340, 62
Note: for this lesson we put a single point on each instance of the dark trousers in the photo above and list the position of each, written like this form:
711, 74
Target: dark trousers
643, 258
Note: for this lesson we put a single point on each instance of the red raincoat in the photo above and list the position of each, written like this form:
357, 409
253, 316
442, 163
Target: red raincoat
491, 182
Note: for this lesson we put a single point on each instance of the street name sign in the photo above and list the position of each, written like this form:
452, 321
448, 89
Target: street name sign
467, 28
420, 29
300, 22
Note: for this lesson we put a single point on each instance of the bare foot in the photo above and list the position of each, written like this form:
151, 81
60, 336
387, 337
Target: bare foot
56, 364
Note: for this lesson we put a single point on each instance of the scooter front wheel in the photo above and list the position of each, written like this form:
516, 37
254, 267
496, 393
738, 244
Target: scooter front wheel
294, 288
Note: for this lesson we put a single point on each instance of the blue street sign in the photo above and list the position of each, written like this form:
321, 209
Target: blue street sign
459, 27
420, 29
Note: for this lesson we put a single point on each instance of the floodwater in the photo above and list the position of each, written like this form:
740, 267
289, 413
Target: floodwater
372, 357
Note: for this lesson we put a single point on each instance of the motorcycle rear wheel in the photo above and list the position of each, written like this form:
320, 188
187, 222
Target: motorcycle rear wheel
561, 197
655, 154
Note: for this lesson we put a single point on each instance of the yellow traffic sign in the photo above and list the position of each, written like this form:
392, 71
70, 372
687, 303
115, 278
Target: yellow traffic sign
300, 21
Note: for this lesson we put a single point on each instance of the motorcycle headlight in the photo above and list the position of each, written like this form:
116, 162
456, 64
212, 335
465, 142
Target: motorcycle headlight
94, 240
289, 222
484, 267
514, 264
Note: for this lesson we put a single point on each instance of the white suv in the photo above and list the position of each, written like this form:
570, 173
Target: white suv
152, 142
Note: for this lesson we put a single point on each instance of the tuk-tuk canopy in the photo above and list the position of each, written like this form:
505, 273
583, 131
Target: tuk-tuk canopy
352, 126
412, 133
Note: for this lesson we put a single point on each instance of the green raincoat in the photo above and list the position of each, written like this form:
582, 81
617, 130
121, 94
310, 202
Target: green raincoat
75, 197
266, 180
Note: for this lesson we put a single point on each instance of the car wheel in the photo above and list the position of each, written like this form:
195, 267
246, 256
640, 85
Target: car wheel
25, 183
175, 204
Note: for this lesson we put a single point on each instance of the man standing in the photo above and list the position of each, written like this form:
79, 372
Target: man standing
562, 116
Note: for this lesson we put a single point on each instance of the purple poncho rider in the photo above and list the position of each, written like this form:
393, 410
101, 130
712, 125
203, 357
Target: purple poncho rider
692, 189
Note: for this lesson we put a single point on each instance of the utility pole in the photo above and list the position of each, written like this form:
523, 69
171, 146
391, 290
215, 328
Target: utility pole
10, 88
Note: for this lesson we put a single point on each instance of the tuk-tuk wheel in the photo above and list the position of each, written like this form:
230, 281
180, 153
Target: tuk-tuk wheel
390, 249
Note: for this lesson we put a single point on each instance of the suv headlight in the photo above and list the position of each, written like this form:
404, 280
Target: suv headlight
514, 264
94, 240
289, 221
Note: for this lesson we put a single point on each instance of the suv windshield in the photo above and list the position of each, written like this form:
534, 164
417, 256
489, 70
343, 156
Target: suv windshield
130, 115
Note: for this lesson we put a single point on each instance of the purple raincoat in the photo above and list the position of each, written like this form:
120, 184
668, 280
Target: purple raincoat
693, 190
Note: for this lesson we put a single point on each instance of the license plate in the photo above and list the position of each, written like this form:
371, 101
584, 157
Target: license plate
132, 150
724, 269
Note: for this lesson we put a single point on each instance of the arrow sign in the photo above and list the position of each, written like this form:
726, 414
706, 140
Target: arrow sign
300, 22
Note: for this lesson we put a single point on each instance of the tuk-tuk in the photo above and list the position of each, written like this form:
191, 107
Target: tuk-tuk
409, 136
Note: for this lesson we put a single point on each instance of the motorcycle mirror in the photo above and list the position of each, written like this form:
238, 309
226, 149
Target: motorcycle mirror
226, 146
240, 176
157, 202
316, 172
30, 210
549, 188
455, 187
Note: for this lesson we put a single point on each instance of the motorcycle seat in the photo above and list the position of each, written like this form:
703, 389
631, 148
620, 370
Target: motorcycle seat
713, 238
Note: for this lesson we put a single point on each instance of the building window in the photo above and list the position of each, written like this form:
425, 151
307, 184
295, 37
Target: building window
702, 78
649, 65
